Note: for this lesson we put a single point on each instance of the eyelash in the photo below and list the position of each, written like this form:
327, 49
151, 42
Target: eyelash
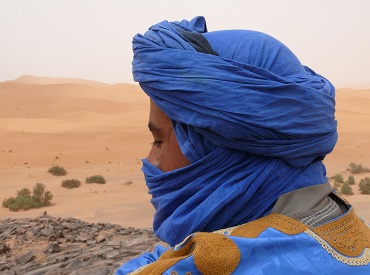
156, 143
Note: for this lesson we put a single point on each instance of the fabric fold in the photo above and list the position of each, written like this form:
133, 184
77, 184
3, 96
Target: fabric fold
236, 104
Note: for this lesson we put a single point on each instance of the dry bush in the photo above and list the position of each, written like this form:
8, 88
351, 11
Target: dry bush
96, 179
346, 189
71, 183
57, 170
365, 186
337, 178
357, 168
25, 200
351, 180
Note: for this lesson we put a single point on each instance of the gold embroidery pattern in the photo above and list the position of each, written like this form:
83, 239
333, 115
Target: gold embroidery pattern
184, 242
215, 254
225, 231
364, 259
279, 222
348, 235
347, 239
136, 271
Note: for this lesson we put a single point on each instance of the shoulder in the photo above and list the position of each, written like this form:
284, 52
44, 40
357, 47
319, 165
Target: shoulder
275, 244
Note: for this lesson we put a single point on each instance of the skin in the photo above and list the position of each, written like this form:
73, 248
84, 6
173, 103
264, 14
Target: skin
165, 152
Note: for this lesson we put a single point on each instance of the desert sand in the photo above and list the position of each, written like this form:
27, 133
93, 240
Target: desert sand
94, 128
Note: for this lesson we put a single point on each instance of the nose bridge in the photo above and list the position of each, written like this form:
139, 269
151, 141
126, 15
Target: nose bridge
153, 156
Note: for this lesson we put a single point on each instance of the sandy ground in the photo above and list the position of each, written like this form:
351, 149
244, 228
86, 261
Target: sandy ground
91, 128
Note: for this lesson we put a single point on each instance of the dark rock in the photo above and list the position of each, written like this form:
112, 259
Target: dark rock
45, 232
52, 238
70, 246
81, 239
100, 238
115, 243
53, 247
29, 234
112, 254
50, 269
21, 230
4, 248
90, 243
77, 263
100, 270
7, 233
29, 256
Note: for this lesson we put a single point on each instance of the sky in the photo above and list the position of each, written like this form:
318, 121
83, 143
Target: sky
91, 39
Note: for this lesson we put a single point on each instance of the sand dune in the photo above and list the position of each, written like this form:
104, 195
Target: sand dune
86, 128
46, 80
94, 128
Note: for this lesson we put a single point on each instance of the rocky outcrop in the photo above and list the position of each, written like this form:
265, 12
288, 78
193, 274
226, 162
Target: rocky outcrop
56, 246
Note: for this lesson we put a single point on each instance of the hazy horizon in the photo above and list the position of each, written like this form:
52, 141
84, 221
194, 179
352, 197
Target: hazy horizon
92, 40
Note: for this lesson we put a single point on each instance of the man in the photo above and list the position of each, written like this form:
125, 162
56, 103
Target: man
240, 129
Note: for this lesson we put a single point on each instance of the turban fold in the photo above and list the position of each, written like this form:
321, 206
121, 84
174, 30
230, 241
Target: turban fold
238, 95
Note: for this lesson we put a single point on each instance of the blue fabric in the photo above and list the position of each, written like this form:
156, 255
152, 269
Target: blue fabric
223, 189
143, 259
272, 252
253, 122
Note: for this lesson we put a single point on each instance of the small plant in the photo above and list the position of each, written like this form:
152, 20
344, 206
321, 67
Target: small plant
338, 178
25, 200
346, 189
129, 182
74, 183
357, 168
57, 170
96, 179
365, 186
351, 180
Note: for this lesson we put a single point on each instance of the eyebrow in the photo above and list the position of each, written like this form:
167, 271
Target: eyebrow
154, 128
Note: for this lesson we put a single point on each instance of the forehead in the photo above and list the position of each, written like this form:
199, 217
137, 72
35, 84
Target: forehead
157, 119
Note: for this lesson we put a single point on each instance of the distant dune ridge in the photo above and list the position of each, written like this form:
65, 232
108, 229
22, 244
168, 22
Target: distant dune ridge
46, 80
92, 128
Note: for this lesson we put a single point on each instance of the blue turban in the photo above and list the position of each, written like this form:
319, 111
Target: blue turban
252, 120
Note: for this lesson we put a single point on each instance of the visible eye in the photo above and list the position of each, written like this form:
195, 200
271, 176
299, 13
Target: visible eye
156, 143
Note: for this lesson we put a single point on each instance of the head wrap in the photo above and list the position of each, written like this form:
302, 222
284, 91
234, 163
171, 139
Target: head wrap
253, 121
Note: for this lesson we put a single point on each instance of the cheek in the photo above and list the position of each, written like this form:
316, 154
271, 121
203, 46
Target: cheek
171, 157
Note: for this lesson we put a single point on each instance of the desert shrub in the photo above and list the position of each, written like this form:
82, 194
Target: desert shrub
351, 180
365, 186
24, 193
74, 183
57, 170
357, 168
25, 200
9, 202
40, 196
338, 178
346, 189
95, 179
